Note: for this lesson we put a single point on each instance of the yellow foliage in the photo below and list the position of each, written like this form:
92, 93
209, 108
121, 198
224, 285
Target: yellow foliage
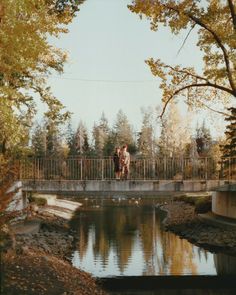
212, 19
27, 58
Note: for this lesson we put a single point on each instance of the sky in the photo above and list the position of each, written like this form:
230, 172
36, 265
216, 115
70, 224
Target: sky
107, 46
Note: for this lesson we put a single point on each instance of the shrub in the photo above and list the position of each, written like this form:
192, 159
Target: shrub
37, 201
203, 205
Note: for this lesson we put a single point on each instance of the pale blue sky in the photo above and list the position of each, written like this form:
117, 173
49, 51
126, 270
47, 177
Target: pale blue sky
108, 42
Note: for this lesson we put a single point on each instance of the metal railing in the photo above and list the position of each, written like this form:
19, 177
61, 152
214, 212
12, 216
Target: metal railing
140, 168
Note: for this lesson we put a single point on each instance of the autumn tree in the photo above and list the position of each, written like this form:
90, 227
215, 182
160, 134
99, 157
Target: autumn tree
14, 131
175, 133
215, 23
27, 58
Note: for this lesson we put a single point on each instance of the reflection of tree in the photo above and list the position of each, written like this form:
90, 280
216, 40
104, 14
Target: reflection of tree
124, 251
101, 247
179, 255
117, 229
150, 232
79, 225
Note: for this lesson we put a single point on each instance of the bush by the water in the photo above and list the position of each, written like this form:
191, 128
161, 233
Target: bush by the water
202, 204
37, 201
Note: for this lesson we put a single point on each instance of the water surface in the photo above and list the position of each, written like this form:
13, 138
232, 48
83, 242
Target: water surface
125, 237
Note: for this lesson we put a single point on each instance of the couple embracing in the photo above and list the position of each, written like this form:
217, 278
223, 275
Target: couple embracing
121, 159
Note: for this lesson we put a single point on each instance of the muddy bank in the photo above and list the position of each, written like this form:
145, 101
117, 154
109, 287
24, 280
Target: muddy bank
182, 220
39, 263
54, 237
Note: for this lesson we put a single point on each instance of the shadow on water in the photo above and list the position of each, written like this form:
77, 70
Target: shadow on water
123, 243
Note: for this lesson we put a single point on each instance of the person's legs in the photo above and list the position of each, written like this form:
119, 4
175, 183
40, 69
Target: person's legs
126, 172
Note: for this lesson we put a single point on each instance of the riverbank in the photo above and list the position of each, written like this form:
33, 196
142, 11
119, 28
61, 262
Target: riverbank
185, 222
40, 264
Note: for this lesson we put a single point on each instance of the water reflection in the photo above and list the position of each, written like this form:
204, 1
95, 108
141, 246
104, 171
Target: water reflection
125, 237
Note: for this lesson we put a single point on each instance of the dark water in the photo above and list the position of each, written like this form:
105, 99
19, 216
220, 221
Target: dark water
125, 237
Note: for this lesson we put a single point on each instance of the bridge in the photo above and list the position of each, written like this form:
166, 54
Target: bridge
148, 176
75, 175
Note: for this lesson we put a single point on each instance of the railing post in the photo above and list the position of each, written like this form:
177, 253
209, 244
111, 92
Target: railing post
229, 168
206, 168
102, 169
165, 174
20, 169
81, 169
144, 169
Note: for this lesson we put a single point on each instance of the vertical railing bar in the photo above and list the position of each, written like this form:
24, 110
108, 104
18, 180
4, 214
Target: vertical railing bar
102, 169
81, 168
206, 168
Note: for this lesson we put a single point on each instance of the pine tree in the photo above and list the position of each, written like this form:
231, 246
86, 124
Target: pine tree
70, 140
39, 144
53, 139
100, 135
123, 131
77, 141
229, 149
203, 140
145, 138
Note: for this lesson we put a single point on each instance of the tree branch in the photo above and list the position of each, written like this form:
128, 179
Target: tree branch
188, 73
233, 13
185, 39
217, 39
192, 86
213, 110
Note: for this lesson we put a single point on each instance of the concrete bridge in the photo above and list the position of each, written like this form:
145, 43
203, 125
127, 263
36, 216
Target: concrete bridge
152, 176
223, 192
80, 187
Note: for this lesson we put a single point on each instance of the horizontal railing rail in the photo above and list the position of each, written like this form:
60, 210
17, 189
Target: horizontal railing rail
156, 168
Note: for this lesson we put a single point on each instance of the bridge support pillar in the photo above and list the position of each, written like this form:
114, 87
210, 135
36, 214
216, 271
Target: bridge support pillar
224, 203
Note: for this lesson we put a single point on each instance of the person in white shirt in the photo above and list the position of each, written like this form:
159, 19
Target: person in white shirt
124, 162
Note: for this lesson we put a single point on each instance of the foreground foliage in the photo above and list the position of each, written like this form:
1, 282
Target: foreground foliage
27, 59
211, 20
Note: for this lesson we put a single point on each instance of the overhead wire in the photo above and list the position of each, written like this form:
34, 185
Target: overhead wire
102, 80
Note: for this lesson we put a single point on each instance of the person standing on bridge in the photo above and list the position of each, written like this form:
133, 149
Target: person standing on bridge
116, 160
125, 162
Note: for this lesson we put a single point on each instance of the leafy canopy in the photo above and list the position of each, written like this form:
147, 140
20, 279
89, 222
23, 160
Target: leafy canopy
215, 21
27, 59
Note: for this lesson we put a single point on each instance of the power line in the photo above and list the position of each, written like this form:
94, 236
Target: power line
102, 80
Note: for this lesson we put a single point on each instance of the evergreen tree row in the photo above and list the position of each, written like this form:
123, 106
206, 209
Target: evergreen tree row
174, 139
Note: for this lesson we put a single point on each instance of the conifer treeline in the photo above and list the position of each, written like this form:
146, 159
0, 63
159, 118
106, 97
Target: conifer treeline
173, 140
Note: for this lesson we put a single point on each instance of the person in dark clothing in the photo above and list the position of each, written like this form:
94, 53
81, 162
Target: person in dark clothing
116, 160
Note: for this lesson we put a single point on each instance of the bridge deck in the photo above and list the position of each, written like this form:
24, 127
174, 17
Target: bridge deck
137, 186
